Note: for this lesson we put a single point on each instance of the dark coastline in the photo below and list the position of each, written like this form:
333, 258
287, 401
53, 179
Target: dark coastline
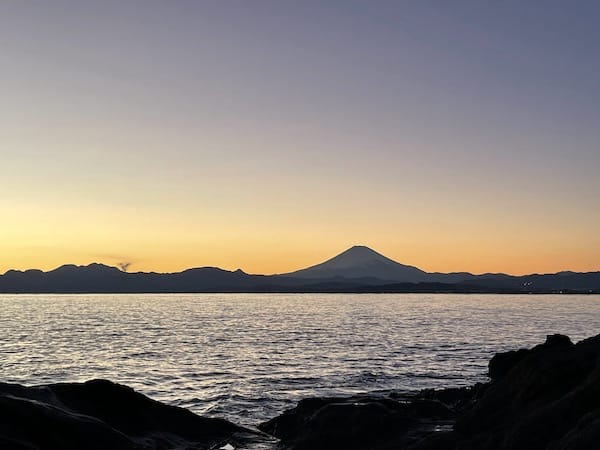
307, 291
547, 397
341, 291
364, 272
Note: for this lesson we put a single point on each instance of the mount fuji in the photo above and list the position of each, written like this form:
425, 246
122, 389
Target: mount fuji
362, 262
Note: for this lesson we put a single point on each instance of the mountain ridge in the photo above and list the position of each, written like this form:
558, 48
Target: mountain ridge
357, 269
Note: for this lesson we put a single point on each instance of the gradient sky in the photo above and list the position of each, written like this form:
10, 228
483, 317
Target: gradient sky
271, 135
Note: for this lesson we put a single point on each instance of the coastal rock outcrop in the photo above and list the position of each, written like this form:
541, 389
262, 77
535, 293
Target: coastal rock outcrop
377, 422
547, 398
102, 415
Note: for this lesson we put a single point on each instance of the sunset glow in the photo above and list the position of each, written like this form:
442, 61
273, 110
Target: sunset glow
271, 136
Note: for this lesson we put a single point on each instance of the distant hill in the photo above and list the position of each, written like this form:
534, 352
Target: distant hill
362, 262
358, 269
100, 278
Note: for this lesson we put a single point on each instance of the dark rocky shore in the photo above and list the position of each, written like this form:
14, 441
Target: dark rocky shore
547, 397
103, 415
544, 398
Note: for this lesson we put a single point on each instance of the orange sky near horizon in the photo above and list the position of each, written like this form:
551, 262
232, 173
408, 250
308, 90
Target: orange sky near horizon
283, 261
169, 243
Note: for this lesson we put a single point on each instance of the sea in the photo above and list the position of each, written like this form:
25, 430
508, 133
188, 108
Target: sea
248, 357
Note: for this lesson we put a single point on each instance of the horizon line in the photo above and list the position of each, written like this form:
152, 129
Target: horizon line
239, 269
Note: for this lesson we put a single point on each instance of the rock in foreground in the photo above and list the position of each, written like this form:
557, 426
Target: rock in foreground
544, 398
102, 415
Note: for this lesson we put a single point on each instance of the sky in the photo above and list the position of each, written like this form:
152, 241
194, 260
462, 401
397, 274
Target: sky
272, 135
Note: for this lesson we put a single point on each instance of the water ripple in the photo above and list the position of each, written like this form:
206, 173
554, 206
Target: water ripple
249, 356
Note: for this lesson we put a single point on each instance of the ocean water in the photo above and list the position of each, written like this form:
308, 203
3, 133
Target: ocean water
247, 357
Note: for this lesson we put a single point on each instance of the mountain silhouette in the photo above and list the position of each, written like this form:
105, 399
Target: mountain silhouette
362, 262
358, 269
100, 278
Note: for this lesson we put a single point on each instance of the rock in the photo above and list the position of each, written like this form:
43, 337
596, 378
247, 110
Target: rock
360, 422
458, 400
550, 397
502, 363
547, 398
103, 415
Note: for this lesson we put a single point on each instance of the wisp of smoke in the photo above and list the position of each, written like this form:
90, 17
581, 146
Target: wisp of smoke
124, 266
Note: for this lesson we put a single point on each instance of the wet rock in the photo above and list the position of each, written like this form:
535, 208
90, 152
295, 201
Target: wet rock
360, 422
102, 415
546, 398
458, 400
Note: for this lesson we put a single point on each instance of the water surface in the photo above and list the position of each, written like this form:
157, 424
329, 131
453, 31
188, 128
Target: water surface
247, 357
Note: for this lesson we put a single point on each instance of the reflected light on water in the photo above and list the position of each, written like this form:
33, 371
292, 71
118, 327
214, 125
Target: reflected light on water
247, 357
